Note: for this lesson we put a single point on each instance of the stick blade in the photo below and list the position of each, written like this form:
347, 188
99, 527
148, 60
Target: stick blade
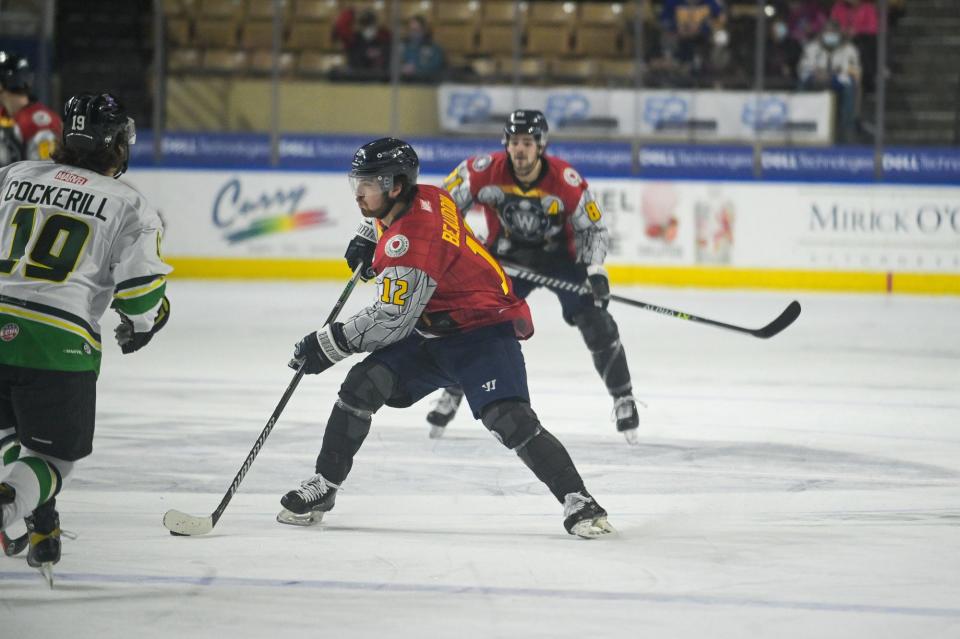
787, 317
180, 523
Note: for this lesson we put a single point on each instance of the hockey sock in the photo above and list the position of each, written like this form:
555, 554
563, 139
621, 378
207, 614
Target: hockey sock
602, 337
346, 430
551, 463
9, 446
36, 481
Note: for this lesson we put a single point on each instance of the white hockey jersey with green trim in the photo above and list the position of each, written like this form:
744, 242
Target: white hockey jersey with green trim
72, 243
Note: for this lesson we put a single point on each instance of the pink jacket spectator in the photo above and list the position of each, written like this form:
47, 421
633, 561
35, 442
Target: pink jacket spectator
857, 18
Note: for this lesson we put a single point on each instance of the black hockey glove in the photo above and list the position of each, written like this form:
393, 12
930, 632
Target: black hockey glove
360, 250
129, 340
318, 351
599, 285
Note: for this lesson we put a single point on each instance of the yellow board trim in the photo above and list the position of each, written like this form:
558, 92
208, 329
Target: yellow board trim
693, 276
49, 320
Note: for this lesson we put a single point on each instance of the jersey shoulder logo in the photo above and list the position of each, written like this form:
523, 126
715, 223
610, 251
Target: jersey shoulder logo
571, 176
42, 118
482, 162
426, 206
397, 246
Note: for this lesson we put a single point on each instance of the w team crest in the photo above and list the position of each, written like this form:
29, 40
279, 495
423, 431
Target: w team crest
9, 332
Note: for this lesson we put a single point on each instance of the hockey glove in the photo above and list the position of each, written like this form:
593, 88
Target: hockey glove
599, 285
360, 250
129, 340
318, 351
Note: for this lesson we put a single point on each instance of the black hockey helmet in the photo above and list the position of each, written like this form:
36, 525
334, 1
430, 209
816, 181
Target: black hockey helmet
529, 122
15, 73
383, 161
96, 123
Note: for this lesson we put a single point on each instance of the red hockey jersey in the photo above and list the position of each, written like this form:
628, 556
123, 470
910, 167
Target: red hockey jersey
40, 129
540, 217
472, 289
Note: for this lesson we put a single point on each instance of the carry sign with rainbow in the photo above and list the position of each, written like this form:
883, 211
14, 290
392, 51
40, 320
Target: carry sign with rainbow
242, 217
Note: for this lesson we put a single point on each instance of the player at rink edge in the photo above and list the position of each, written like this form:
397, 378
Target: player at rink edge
76, 238
445, 314
541, 215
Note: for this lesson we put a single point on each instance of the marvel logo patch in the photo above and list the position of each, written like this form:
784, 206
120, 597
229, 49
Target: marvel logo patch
72, 178
397, 246
9, 332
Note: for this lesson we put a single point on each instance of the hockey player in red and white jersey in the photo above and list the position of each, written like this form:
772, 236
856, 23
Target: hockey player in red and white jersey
541, 215
445, 314
28, 129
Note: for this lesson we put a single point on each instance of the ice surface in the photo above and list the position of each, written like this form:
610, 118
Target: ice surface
805, 486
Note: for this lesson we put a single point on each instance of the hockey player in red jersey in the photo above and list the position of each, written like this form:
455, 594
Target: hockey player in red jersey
541, 215
445, 314
28, 129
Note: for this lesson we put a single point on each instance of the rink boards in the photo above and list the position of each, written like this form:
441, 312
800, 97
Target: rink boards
744, 234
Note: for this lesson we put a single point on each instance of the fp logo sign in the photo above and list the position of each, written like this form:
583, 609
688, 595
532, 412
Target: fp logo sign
672, 108
765, 113
468, 106
567, 107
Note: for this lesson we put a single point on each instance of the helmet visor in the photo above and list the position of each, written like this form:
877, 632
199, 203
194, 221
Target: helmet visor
364, 185
131, 130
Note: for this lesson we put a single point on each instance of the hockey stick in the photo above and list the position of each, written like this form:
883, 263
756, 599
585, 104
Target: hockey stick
180, 523
785, 319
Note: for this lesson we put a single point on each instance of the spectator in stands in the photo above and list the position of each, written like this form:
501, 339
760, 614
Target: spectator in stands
689, 28
858, 22
421, 57
831, 62
369, 46
29, 130
805, 19
782, 56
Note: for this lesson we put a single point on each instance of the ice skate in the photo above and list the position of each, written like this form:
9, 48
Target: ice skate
13, 545
584, 517
443, 411
306, 505
44, 529
625, 412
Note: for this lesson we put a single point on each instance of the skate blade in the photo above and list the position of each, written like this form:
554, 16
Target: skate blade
632, 436
293, 519
46, 569
436, 432
13, 546
592, 528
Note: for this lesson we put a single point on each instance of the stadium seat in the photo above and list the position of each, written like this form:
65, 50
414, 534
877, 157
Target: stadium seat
178, 31
411, 8
553, 13
183, 60
448, 11
575, 70
261, 61
224, 60
495, 39
548, 41
484, 68
314, 36
263, 9
602, 13
455, 38
323, 10
496, 12
222, 9
178, 8
316, 63
258, 34
618, 69
215, 33
598, 42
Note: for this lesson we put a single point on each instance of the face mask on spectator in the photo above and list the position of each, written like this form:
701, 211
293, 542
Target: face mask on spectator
830, 39
369, 33
721, 38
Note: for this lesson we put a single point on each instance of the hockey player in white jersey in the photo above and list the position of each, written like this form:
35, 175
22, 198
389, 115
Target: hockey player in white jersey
73, 241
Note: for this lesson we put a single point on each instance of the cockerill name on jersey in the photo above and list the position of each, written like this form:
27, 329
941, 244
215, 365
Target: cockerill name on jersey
60, 196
